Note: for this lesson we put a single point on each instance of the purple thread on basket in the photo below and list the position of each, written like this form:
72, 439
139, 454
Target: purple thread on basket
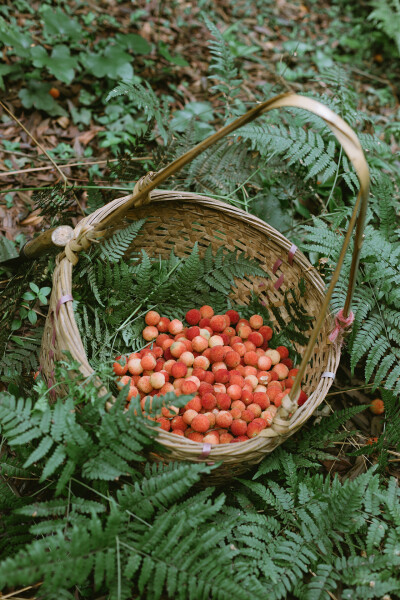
276, 266
263, 303
206, 450
279, 282
291, 254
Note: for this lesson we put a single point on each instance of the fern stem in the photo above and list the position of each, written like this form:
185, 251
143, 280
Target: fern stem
118, 569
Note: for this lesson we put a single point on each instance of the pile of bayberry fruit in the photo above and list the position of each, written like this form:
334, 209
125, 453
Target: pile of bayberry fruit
238, 381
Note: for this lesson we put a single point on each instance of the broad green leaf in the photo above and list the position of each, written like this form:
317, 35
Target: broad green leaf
60, 64
58, 23
133, 42
113, 63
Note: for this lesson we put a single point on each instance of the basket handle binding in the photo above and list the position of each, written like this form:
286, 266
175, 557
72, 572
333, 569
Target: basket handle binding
350, 144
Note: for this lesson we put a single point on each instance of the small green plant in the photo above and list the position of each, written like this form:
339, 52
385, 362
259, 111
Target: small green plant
27, 310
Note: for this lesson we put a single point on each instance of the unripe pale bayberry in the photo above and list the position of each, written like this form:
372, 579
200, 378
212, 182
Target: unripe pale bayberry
252, 381
199, 343
152, 318
211, 417
219, 388
274, 356
264, 363
224, 419
187, 358
157, 380
175, 326
211, 438
201, 362
193, 316
150, 333
135, 366
234, 391
177, 348
281, 370
189, 415
144, 384
215, 340
200, 423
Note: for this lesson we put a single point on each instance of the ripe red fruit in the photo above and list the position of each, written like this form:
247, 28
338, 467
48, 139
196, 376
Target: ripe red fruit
225, 438
281, 370
302, 398
256, 321
217, 354
266, 332
253, 429
262, 399
177, 432
248, 416
200, 424
240, 438
206, 312
192, 332
239, 427
223, 401
178, 423
194, 404
232, 359
54, 92
121, 366
152, 318
288, 362
218, 323
234, 391
163, 324
195, 436
233, 316
150, 333
224, 419
256, 338
188, 387
222, 376
239, 348
199, 343
243, 330
261, 422
148, 362
250, 358
208, 401
283, 351
193, 316
377, 406
165, 423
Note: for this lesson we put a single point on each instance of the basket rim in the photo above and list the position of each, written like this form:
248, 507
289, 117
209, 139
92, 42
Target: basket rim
259, 446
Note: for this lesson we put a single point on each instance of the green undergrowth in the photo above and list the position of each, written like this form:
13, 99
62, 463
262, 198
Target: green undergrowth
85, 514
95, 516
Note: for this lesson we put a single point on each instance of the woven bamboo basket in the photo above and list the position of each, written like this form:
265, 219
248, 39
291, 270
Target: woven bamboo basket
176, 220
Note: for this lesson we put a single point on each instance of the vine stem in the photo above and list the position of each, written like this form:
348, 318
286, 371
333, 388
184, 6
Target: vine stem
38, 144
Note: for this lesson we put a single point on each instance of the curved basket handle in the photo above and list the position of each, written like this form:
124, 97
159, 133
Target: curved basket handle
350, 144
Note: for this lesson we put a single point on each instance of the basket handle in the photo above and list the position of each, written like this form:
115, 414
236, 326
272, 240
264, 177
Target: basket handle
350, 144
